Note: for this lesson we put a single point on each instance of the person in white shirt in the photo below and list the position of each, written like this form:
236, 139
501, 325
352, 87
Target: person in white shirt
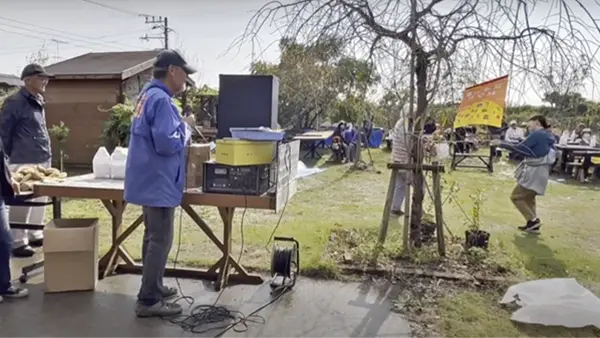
400, 154
577, 133
514, 134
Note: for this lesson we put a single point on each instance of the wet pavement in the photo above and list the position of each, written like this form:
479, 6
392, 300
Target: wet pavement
311, 309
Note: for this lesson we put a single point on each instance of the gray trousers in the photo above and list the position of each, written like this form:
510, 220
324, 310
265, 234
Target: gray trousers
399, 191
158, 240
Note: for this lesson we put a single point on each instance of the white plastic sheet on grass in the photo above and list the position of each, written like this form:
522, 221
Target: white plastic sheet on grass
304, 171
554, 302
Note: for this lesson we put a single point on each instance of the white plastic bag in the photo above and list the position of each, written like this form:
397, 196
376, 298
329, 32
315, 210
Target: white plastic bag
117, 163
101, 164
554, 302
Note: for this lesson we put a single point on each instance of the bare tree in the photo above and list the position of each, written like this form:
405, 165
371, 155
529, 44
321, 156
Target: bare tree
505, 35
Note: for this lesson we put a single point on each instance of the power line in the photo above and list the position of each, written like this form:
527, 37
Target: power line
42, 38
121, 34
115, 8
69, 35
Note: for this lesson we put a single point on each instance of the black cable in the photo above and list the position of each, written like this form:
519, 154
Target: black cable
288, 167
203, 315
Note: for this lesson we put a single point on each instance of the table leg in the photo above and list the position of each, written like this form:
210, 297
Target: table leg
227, 217
226, 262
108, 263
564, 158
56, 208
490, 164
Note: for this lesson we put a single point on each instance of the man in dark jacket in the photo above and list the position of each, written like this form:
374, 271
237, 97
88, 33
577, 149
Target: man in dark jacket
26, 142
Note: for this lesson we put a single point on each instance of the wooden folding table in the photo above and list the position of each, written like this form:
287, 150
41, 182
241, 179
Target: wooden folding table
314, 139
110, 192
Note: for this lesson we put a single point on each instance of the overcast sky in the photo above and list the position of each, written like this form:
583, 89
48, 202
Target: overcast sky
203, 30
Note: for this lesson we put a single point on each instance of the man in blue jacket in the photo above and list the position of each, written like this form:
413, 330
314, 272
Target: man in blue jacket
155, 176
26, 142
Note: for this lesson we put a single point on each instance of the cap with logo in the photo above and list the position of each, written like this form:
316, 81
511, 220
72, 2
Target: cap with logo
34, 69
169, 57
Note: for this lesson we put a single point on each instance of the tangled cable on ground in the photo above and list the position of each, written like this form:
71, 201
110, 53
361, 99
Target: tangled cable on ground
201, 318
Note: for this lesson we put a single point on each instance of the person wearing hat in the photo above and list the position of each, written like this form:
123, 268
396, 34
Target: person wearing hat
513, 135
27, 142
155, 175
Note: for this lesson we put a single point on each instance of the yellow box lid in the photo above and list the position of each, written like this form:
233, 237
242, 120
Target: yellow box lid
229, 140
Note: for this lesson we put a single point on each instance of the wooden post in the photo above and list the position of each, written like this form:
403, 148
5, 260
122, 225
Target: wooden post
387, 208
439, 219
357, 150
406, 245
437, 169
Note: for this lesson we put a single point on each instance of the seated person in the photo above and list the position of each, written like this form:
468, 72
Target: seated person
339, 149
585, 139
577, 133
339, 145
514, 135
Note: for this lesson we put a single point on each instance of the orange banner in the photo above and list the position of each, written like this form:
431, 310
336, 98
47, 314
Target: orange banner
483, 104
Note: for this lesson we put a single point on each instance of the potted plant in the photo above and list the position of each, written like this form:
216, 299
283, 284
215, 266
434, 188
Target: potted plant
474, 236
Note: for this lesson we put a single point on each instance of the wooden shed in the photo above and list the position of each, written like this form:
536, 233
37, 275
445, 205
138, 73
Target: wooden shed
88, 82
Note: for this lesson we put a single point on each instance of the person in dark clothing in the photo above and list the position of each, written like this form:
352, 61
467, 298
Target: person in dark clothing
460, 135
340, 145
8, 188
497, 134
27, 142
429, 127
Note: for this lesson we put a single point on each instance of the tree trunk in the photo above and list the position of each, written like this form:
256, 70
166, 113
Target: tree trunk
417, 149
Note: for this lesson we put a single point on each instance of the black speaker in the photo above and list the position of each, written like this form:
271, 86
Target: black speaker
247, 101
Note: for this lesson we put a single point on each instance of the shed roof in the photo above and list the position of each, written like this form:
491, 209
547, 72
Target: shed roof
104, 65
10, 80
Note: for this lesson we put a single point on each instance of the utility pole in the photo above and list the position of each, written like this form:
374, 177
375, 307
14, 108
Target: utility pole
58, 43
161, 24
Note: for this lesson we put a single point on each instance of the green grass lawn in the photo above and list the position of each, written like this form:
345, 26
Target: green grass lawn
340, 198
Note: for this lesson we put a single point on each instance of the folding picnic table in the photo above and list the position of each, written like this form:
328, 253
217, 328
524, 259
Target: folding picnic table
314, 139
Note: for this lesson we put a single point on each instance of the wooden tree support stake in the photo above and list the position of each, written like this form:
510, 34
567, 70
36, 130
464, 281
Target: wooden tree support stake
436, 169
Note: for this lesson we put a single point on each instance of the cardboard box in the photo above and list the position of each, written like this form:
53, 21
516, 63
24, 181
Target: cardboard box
71, 255
197, 155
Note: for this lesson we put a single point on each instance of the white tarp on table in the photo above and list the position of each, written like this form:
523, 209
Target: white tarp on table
554, 302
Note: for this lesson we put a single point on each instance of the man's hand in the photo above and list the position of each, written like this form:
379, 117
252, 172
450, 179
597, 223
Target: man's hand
16, 187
